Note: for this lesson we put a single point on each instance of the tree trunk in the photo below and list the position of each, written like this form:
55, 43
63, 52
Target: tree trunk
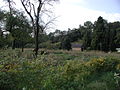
13, 44
36, 45
36, 41
22, 47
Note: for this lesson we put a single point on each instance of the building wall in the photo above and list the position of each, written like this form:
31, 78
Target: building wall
76, 49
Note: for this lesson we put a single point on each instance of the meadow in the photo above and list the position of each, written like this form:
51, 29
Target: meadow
59, 70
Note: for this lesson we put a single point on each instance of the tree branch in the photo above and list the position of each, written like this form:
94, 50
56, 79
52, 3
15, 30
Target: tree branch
29, 13
34, 10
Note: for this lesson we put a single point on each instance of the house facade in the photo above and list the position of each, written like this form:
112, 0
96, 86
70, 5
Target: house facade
77, 47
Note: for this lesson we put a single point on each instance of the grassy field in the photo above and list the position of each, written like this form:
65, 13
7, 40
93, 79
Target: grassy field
59, 70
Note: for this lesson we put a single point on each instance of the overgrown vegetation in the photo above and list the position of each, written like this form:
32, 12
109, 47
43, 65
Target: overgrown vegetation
59, 70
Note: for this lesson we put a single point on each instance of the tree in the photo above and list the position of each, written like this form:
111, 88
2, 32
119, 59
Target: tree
2, 17
74, 34
57, 36
35, 9
20, 31
87, 37
43, 37
23, 30
66, 43
2, 23
10, 19
117, 40
100, 35
114, 35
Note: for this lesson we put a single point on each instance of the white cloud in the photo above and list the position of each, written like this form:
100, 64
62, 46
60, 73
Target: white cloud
72, 15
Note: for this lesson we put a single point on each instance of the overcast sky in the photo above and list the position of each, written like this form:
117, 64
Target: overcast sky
75, 12
72, 13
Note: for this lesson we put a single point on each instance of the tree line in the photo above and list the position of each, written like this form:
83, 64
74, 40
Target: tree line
19, 31
99, 35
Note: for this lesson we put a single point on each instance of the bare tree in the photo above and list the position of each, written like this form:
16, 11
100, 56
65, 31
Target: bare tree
35, 10
10, 3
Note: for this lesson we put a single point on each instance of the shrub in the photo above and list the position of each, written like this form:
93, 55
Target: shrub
57, 71
103, 64
49, 45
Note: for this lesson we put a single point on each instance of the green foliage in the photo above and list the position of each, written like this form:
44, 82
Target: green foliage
16, 27
49, 45
100, 35
117, 40
87, 36
21, 29
66, 44
58, 70
114, 35
2, 44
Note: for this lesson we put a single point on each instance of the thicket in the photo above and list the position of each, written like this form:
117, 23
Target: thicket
59, 70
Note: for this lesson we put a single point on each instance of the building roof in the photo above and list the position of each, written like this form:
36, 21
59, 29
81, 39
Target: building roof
76, 45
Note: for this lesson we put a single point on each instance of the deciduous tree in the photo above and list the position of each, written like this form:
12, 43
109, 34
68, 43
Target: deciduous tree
35, 9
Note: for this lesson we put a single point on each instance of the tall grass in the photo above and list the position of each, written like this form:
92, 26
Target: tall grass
59, 70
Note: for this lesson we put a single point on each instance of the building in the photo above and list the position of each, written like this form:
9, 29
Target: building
77, 47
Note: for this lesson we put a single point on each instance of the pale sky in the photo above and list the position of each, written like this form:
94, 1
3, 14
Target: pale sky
75, 12
72, 13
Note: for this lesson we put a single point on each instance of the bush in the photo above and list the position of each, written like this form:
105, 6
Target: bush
49, 45
103, 64
57, 71
30, 45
